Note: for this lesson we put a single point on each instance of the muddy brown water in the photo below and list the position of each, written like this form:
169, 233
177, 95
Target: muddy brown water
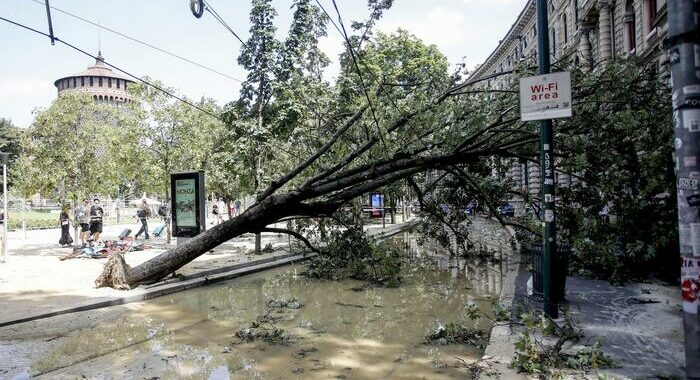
345, 330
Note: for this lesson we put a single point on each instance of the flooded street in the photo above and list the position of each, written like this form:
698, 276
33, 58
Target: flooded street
344, 329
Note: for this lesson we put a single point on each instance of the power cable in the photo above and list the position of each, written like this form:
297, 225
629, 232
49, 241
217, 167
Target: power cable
358, 54
156, 87
359, 73
141, 42
220, 19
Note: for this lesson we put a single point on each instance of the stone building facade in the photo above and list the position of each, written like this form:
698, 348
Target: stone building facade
99, 81
586, 32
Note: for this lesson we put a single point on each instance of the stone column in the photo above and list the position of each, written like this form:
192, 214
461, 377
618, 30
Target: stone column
584, 48
605, 33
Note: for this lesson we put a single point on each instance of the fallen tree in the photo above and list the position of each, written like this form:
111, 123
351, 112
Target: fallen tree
396, 116
329, 189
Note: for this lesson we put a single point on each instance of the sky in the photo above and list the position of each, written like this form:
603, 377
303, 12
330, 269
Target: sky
464, 30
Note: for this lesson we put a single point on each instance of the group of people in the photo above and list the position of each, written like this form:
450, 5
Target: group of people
217, 212
88, 216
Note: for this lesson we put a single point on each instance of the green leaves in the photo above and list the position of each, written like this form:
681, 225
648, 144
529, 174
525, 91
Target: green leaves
77, 147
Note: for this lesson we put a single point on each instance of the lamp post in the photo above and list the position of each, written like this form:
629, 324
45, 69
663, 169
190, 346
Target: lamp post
5, 156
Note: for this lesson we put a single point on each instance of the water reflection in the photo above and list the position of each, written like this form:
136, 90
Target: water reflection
345, 329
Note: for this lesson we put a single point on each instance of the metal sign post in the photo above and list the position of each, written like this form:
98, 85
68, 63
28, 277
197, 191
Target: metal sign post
188, 204
684, 44
549, 244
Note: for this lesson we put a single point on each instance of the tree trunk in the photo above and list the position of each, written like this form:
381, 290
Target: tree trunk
117, 274
75, 205
258, 159
392, 204
168, 233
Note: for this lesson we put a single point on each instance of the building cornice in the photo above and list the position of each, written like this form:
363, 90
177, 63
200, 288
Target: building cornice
516, 30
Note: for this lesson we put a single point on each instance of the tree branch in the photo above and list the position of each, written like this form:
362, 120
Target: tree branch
292, 233
302, 166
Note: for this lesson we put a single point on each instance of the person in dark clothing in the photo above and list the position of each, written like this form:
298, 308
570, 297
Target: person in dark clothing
96, 213
142, 213
64, 222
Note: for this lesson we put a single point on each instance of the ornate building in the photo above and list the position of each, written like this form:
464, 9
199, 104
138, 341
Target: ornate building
589, 33
99, 81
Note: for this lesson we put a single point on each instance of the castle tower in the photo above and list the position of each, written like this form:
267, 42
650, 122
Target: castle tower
99, 81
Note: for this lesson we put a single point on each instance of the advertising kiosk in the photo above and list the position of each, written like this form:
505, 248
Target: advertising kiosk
188, 204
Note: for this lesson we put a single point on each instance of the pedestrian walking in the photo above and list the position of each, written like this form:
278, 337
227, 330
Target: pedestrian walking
143, 213
82, 218
2, 231
217, 215
237, 206
64, 222
96, 215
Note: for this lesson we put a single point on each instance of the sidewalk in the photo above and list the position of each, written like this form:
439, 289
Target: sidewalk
35, 282
639, 325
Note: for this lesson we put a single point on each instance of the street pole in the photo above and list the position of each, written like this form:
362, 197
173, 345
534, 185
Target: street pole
5, 157
684, 41
549, 244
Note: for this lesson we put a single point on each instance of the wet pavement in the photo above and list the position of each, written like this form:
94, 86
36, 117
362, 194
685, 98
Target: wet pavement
639, 325
344, 330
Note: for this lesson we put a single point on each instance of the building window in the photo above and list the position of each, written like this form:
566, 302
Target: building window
118, 83
75, 82
630, 27
124, 85
649, 14
613, 27
99, 81
554, 41
82, 81
91, 84
565, 30
109, 82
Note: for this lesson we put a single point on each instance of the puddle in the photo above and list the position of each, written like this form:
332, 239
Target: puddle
344, 330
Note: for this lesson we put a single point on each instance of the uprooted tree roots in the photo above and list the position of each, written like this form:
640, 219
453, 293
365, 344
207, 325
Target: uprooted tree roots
116, 273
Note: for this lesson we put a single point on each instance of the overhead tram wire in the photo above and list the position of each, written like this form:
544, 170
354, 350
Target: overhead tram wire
220, 19
156, 87
358, 55
141, 42
359, 72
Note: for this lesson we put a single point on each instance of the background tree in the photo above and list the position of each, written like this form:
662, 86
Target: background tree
11, 142
176, 137
259, 57
78, 147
